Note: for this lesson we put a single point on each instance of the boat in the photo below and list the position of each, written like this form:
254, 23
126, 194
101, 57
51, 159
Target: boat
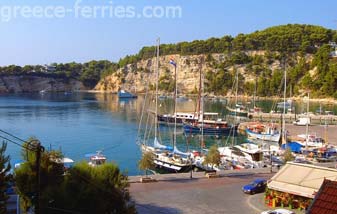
239, 111
170, 159
96, 159
209, 125
181, 117
125, 94
267, 132
309, 140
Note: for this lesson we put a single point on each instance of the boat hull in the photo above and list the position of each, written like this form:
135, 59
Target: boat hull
237, 112
266, 137
173, 168
126, 95
224, 131
170, 120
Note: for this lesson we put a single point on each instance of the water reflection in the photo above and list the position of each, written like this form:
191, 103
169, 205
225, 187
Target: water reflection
81, 123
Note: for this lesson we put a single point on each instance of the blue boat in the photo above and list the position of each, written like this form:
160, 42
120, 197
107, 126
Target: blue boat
125, 94
207, 129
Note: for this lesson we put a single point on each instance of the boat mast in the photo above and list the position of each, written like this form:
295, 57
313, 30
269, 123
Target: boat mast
307, 125
284, 103
175, 107
156, 99
236, 102
202, 101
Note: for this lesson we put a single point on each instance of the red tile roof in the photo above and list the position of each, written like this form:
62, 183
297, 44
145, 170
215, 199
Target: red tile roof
325, 201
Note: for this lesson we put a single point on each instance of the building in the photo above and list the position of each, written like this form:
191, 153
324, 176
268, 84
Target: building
296, 185
325, 201
301, 179
49, 68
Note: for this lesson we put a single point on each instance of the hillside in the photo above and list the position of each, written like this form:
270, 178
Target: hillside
259, 57
23, 84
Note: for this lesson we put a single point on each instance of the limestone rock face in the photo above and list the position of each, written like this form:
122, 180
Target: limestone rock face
19, 84
135, 77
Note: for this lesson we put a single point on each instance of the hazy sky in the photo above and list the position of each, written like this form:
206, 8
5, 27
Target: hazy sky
46, 31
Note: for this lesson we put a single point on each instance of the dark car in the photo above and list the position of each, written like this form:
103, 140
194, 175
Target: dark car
257, 186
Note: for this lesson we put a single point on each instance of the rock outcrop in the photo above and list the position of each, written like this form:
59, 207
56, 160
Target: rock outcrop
20, 84
134, 77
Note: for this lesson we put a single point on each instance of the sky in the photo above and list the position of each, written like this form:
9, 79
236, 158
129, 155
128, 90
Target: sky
40, 32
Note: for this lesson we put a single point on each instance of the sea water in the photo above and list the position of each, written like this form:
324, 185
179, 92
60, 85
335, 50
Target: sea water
82, 123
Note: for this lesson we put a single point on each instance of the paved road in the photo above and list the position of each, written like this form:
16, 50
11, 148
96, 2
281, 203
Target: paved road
217, 195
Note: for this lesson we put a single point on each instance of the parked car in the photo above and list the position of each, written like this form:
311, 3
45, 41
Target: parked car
257, 186
278, 211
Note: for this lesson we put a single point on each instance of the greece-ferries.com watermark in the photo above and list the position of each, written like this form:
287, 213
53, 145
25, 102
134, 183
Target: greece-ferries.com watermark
80, 10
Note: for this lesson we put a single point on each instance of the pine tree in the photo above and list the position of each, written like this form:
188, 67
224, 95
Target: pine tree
4, 177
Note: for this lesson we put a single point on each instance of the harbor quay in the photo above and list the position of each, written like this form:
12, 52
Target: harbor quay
178, 193
290, 118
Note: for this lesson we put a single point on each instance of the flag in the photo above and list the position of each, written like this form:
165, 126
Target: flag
172, 62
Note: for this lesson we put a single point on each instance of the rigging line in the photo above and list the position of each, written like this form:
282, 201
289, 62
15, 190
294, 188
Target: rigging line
24, 141
143, 109
18, 144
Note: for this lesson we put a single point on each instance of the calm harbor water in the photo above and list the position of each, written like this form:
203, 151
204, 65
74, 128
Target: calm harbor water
82, 123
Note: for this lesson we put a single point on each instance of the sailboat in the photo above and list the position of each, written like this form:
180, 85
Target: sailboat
268, 131
168, 158
207, 126
239, 110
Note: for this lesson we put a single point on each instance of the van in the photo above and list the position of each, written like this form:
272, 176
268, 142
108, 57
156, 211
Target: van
302, 121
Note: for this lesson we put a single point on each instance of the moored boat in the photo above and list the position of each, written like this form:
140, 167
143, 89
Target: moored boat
267, 132
220, 128
96, 159
238, 111
126, 94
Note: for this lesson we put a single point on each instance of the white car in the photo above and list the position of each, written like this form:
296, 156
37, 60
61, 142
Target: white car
278, 211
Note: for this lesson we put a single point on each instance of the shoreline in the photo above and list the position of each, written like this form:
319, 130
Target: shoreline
296, 98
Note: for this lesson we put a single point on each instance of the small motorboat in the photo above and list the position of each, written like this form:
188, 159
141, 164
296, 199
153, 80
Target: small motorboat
125, 94
96, 159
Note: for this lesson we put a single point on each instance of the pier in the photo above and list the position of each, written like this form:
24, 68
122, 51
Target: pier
290, 117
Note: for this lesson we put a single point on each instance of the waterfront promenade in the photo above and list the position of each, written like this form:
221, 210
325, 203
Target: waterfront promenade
177, 193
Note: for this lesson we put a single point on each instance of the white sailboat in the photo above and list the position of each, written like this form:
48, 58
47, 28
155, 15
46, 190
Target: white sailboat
167, 158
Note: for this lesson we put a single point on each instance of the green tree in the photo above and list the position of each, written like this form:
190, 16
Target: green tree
288, 156
51, 175
146, 162
100, 189
4, 177
213, 156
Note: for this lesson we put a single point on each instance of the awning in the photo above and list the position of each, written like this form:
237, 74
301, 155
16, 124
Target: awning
301, 179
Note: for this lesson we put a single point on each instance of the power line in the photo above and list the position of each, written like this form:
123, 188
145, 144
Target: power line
18, 144
13, 136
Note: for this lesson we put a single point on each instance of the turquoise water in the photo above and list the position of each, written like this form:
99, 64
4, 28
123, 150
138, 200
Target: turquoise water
82, 123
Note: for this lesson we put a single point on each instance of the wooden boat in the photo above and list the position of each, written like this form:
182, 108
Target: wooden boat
267, 132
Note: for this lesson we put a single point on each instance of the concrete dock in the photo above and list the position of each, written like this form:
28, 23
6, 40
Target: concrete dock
289, 118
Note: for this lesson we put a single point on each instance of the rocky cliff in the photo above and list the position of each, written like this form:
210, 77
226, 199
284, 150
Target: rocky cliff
19, 84
133, 77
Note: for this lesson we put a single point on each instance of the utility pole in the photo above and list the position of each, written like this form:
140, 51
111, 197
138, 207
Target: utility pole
39, 149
